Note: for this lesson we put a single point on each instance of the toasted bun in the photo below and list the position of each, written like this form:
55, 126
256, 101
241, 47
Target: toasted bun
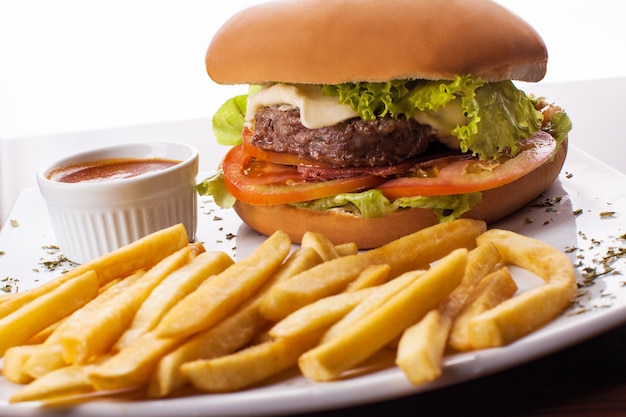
331, 42
342, 227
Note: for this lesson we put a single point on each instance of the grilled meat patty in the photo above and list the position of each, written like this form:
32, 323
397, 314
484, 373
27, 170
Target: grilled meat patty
352, 143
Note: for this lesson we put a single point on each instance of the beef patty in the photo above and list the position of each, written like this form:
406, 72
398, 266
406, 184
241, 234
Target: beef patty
352, 143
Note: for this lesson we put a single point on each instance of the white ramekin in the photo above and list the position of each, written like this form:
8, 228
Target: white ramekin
93, 218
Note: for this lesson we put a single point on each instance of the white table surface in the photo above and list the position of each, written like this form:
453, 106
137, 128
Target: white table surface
75, 75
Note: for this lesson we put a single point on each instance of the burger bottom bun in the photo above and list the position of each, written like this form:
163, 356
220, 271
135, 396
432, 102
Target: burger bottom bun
342, 227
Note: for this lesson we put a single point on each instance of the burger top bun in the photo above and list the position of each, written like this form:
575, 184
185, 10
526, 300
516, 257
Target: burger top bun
337, 41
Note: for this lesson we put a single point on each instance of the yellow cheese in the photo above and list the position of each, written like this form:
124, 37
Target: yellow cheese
316, 109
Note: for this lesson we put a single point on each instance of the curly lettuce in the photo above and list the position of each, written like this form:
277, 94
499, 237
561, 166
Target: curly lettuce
372, 203
495, 115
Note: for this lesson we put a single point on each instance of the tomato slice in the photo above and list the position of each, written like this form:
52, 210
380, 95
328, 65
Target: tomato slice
255, 181
467, 176
278, 158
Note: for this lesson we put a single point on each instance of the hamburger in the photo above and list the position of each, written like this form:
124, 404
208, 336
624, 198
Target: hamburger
368, 120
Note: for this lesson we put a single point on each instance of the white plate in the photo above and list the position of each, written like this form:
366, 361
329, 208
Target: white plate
574, 215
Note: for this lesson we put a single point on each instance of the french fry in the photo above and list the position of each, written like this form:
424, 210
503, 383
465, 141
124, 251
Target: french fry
135, 365
45, 358
248, 366
43, 335
95, 328
319, 315
345, 249
176, 286
132, 366
532, 309
370, 304
49, 354
52, 354
22, 324
494, 289
371, 276
421, 347
223, 293
329, 360
14, 360
63, 382
196, 248
231, 334
143, 253
323, 313
481, 261
420, 350
321, 244
92, 329
415, 251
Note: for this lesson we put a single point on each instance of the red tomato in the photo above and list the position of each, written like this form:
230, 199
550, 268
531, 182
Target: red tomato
467, 176
254, 181
278, 158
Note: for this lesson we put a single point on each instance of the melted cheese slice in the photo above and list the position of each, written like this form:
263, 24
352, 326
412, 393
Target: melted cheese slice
316, 109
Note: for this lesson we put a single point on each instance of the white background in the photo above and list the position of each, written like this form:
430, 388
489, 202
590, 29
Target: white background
71, 66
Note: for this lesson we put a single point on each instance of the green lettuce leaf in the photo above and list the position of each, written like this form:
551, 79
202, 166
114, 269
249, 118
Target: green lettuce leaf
373, 203
368, 204
509, 116
493, 116
398, 98
229, 120
214, 186
560, 126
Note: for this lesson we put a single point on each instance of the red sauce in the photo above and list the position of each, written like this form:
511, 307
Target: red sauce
108, 169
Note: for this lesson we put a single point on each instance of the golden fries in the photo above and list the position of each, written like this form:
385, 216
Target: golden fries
333, 276
132, 366
22, 324
63, 382
176, 286
226, 291
345, 249
421, 347
248, 366
94, 329
230, 334
319, 315
492, 290
370, 277
371, 303
192, 317
328, 360
321, 244
14, 360
143, 253
528, 311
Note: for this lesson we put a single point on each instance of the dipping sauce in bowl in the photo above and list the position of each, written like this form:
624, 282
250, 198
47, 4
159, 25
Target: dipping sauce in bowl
109, 169
102, 199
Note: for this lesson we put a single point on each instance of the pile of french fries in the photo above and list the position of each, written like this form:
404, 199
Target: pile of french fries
161, 316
